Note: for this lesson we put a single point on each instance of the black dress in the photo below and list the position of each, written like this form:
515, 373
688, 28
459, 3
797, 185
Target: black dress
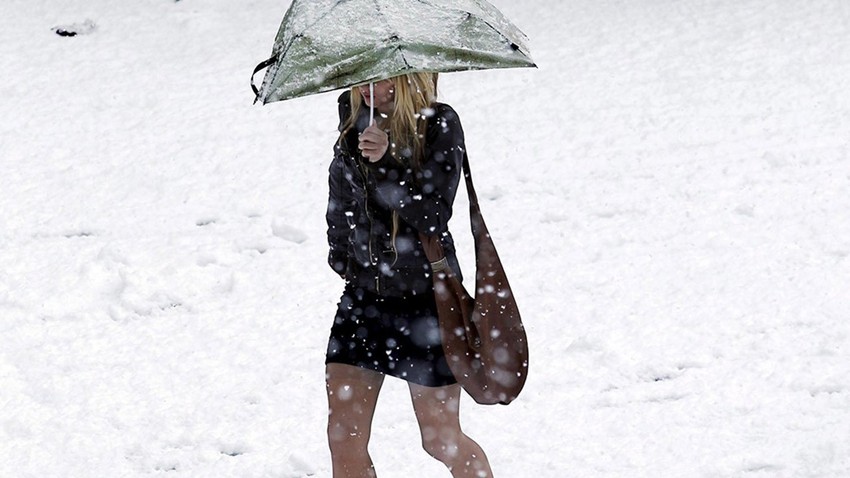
387, 318
397, 336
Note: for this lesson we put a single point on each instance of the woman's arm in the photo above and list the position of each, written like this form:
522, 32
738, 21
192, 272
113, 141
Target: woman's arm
340, 205
424, 198
340, 201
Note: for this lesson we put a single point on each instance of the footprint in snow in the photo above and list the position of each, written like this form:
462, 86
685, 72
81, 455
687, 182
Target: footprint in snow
302, 464
747, 210
233, 448
493, 194
82, 28
288, 233
81, 233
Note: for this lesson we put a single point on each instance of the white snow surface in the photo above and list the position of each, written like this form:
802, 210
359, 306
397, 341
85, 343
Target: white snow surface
669, 193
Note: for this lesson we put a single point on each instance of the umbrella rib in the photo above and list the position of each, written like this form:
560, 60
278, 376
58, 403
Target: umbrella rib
283, 51
470, 14
391, 34
322, 17
383, 17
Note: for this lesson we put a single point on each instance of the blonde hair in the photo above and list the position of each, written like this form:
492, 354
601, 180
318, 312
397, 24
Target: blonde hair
414, 94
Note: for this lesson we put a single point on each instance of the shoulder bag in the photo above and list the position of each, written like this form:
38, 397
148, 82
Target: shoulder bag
483, 337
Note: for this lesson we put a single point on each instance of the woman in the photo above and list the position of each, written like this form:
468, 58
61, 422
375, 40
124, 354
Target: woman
389, 181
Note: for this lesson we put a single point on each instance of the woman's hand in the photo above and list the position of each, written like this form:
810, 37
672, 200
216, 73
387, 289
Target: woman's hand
373, 143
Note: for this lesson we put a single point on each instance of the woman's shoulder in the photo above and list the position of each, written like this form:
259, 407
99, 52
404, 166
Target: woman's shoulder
443, 110
443, 119
344, 108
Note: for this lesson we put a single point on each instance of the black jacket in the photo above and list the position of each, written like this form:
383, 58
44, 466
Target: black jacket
364, 198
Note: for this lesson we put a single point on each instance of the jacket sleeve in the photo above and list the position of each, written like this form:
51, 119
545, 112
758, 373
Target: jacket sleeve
340, 203
424, 198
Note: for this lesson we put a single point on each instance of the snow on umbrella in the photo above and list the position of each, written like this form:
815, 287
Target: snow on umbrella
324, 45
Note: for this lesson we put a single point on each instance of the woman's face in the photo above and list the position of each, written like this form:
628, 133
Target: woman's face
384, 96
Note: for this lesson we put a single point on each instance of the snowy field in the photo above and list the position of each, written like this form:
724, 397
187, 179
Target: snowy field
669, 192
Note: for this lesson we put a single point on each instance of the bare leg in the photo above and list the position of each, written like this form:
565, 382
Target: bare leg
437, 410
352, 395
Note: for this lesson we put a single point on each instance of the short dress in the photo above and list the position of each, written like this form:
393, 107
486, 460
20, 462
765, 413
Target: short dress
396, 336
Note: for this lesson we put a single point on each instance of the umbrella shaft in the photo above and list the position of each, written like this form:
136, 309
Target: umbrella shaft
371, 102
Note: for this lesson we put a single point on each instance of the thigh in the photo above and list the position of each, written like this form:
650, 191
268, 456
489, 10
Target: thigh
352, 395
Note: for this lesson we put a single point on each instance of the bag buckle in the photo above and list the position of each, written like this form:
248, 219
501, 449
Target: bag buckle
441, 265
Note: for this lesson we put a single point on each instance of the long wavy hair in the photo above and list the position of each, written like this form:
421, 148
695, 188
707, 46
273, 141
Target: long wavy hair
414, 96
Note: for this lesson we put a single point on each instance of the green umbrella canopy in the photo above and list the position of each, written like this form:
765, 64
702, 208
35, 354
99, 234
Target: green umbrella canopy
324, 45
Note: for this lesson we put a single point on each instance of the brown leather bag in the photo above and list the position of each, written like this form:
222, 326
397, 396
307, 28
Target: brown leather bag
483, 337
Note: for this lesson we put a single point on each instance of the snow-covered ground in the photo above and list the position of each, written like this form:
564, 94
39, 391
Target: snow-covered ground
669, 192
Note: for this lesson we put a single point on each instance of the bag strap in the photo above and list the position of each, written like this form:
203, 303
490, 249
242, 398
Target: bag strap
262, 65
432, 245
475, 218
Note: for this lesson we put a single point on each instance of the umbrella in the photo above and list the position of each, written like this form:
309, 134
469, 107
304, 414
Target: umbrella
324, 45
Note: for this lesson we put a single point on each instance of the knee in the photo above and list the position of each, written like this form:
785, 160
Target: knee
347, 437
457, 451
444, 447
